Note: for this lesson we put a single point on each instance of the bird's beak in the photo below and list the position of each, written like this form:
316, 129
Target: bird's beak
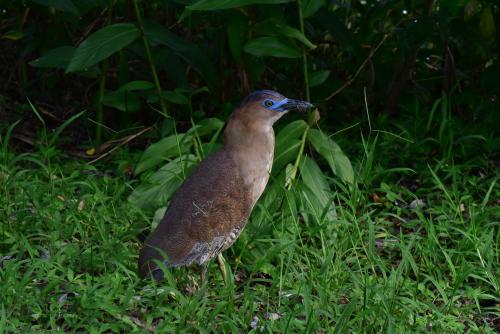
296, 105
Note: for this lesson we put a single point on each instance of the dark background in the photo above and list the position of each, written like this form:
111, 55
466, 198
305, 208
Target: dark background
405, 54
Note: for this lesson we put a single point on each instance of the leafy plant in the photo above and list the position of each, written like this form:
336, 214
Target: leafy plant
397, 234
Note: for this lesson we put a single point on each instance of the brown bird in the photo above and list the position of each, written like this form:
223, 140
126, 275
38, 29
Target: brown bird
210, 209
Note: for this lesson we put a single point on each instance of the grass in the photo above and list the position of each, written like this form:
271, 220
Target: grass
413, 248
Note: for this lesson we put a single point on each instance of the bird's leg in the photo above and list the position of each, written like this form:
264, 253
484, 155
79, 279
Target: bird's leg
203, 273
222, 266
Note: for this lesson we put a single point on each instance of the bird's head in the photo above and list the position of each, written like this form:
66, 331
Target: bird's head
268, 106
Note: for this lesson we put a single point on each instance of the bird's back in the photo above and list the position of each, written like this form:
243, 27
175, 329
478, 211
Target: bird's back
205, 216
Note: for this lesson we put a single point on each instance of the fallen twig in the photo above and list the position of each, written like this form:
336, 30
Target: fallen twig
348, 82
123, 142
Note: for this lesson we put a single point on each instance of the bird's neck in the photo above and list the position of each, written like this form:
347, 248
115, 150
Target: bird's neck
251, 145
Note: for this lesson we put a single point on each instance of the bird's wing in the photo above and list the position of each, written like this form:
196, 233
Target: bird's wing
211, 201
210, 205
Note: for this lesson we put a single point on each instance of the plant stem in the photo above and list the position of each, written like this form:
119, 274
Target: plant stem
306, 75
299, 155
308, 97
150, 59
99, 109
304, 54
102, 86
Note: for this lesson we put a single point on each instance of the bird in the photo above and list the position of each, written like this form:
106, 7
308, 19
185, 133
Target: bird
210, 209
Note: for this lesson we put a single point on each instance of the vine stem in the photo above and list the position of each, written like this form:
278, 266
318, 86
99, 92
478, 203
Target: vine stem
150, 58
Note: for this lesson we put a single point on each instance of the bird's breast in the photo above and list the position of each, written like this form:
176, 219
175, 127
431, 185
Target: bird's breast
254, 161
261, 176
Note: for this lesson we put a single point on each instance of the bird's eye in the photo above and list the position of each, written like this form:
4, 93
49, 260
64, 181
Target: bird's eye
268, 103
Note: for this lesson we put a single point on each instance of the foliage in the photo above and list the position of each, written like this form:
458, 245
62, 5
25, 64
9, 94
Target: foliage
398, 234
410, 250
308, 46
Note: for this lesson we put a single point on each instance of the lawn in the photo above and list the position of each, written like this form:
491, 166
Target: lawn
411, 246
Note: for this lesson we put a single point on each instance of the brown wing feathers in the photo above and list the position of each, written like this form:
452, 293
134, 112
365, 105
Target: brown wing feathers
210, 204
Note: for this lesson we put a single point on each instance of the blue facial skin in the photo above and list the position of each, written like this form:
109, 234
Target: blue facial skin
275, 105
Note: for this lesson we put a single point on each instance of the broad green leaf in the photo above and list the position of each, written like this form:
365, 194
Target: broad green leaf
317, 192
158, 216
312, 176
290, 172
272, 197
287, 144
487, 23
157, 189
191, 53
163, 150
338, 161
209, 148
272, 47
318, 77
55, 58
102, 44
236, 29
198, 90
310, 7
175, 97
274, 27
122, 100
13, 35
85, 6
62, 5
137, 85
226, 4
285, 155
191, 92
207, 126
292, 130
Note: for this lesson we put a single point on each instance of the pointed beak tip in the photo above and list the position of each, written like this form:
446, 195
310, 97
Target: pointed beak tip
296, 105
305, 106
